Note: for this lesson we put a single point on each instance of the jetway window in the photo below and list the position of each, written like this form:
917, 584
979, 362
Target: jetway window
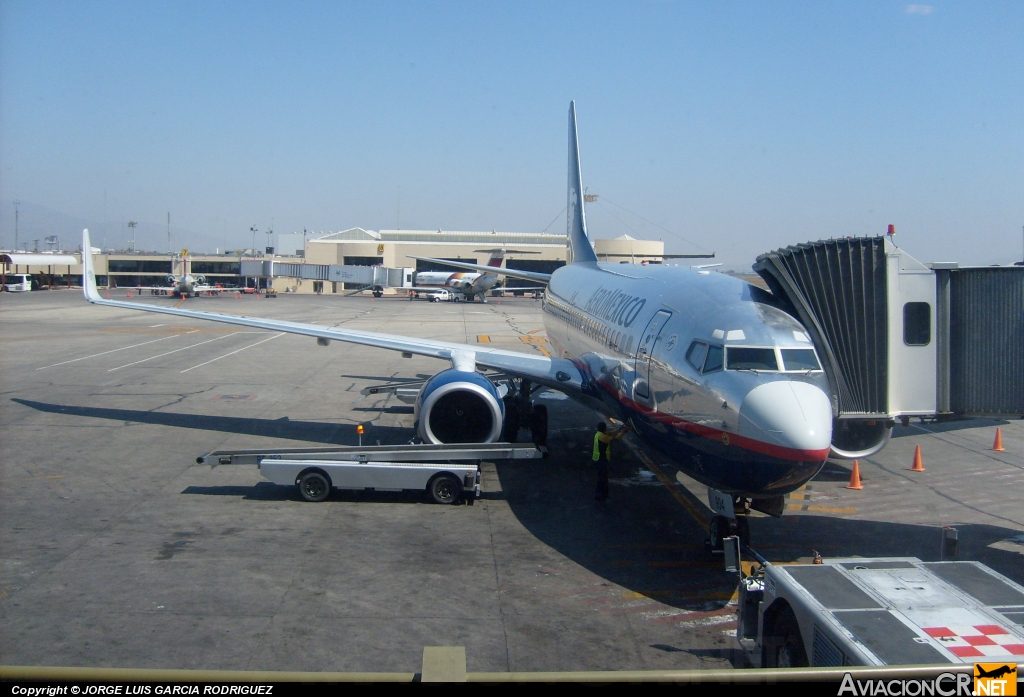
696, 353
917, 324
746, 358
714, 360
800, 359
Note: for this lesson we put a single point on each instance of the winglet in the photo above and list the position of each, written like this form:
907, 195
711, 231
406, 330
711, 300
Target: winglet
88, 273
580, 249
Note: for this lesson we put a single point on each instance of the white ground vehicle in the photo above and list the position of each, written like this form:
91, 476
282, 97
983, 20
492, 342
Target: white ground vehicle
436, 295
22, 282
881, 611
447, 473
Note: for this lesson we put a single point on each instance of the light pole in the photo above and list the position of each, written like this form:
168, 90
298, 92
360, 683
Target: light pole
253, 230
132, 224
16, 204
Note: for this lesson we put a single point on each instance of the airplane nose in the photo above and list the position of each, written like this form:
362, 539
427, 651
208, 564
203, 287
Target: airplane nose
788, 414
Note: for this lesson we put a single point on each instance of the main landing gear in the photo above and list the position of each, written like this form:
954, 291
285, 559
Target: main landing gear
521, 412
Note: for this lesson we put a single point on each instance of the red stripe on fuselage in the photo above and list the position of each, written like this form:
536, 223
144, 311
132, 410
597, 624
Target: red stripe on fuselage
735, 439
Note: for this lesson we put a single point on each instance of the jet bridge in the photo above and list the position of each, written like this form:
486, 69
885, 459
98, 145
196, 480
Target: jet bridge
898, 338
368, 276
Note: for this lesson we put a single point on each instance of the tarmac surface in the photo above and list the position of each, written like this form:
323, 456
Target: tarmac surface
118, 550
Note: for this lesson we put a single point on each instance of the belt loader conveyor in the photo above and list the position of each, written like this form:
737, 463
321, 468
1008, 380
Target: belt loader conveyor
446, 472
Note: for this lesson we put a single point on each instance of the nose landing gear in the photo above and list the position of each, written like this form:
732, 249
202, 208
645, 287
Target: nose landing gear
722, 527
730, 519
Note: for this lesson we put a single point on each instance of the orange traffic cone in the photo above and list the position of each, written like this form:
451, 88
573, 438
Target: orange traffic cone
918, 465
855, 477
998, 445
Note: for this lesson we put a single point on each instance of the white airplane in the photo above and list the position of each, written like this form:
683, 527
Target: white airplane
470, 285
713, 376
184, 286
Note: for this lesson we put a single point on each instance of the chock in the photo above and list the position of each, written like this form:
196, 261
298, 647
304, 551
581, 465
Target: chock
855, 477
998, 444
918, 464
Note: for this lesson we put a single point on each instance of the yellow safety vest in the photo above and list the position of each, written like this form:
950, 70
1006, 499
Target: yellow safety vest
597, 447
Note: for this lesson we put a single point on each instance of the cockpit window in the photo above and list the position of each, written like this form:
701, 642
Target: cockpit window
800, 359
696, 353
714, 360
745, 358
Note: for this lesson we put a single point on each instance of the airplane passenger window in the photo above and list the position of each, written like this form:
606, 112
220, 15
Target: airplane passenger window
714, 359
695, 354
744, 358
917, 324
800, 359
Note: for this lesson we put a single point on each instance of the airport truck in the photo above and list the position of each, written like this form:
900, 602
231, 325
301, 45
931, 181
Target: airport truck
448, 473
881, 611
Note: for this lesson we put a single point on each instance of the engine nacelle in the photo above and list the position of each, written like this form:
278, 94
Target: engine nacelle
457, 406
201, 280
857, 438
171, 280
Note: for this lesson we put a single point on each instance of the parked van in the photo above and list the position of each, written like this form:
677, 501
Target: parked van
22, 282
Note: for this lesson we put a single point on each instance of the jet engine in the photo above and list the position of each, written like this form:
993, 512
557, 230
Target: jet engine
457, 406
201, 280
171, 280
857, 438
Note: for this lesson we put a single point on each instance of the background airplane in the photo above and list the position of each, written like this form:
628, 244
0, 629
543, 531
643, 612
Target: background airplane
184, 286
712, 374
470, 285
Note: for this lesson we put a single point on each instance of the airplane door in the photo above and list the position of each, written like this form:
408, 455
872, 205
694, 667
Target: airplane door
643, 353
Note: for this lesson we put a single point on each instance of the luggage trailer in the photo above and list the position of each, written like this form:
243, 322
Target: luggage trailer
447, 473
881, 611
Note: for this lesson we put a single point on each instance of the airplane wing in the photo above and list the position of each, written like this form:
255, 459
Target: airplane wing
514, 273
558, 373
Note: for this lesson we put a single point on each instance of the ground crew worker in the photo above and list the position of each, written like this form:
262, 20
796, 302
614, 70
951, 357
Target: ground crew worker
603, 454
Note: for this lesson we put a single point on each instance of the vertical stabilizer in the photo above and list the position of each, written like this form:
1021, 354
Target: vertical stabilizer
497, 256
88, 269
580, 249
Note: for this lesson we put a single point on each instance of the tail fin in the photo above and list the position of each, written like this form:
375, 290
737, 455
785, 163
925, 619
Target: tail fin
580, 249
497, 256
88, 270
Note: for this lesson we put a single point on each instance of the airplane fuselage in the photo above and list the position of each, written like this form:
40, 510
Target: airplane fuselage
468, 283
710, 372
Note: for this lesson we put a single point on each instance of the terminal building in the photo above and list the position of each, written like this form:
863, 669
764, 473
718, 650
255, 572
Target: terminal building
527, 251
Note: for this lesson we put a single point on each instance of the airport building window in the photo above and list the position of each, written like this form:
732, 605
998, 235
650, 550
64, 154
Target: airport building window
138, 266
917, 324
222, 268
800, 359
714, 360
696, 353
747, 358
364, 261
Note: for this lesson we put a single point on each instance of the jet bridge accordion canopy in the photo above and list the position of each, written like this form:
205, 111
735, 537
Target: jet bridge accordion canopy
899, 338
838, 290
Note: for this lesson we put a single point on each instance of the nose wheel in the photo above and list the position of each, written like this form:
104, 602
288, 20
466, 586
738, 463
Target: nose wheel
722, 527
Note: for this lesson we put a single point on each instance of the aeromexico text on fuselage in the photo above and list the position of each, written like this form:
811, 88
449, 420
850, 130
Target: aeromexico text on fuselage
615, 306
713, 456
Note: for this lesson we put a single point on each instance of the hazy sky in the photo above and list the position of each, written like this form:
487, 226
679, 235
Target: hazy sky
733, 127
